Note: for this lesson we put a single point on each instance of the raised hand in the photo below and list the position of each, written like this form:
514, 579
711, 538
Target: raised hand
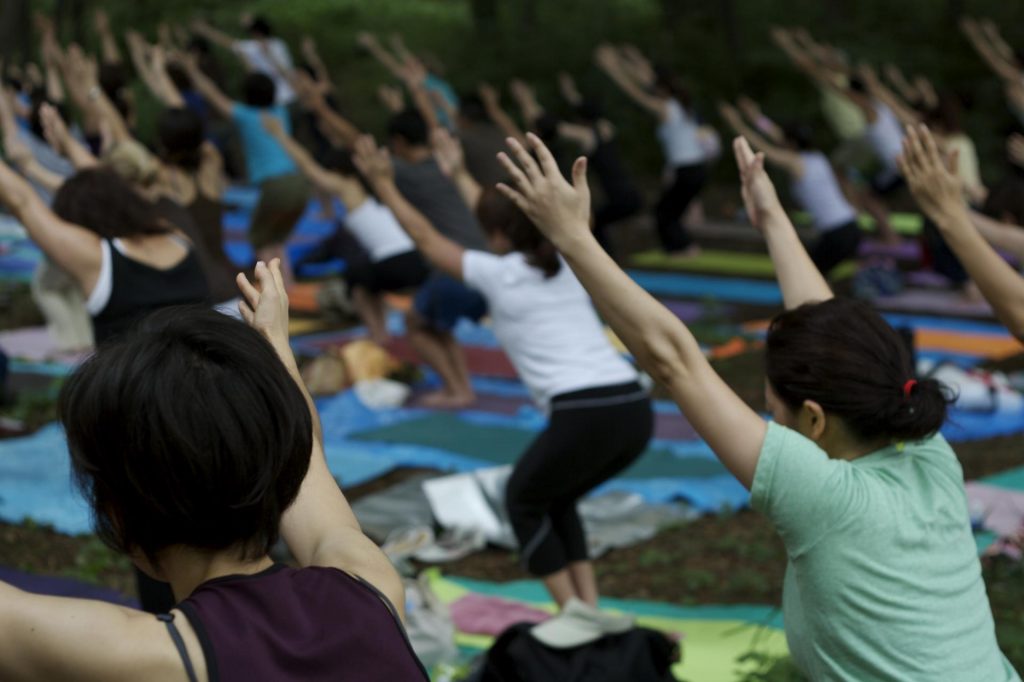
55, 130
759, 195
606, 57
932, 179
309, 50
447, 152
391, 97
1015, 149
265, 303
372, 161
749, 107
488, 93
366, 40
559, 209
102, 21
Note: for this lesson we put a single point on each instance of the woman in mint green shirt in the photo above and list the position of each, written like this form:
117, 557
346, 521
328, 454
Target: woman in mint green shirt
883, 581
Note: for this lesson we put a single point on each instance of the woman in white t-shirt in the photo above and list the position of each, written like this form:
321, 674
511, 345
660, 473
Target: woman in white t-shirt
660, 92
390, 261
814, 185
600, 416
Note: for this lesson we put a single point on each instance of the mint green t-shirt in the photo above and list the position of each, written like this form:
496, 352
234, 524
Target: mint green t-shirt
883, 580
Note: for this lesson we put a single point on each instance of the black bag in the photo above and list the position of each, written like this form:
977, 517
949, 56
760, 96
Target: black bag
640, 655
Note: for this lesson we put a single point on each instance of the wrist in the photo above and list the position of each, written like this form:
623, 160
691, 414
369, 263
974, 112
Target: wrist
576, 236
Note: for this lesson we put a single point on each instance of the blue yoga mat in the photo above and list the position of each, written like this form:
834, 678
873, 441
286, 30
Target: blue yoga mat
733, 290
62, 587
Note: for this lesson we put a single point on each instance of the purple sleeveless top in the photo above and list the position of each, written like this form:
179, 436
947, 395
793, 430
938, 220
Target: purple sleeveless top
306, 624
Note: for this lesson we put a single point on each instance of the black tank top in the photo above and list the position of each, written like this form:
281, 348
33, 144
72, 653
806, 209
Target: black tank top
137, 289
201, 221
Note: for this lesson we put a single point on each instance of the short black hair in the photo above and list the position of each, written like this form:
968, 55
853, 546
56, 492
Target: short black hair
409, 125
187, 430
179, 76
103, 202
261, 27
180, 133
258, 90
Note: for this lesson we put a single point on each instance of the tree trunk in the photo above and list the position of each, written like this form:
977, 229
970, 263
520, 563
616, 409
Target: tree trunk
16, 30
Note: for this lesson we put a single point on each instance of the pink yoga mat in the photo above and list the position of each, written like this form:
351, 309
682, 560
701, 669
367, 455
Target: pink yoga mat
1002, 510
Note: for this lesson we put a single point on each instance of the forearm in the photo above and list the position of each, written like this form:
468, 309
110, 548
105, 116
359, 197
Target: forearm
308, 166
54, 86
504, 121
386, 59
1003, 236
210, 92
111, 52
799, 279
468, 187
421, 100
343, 129
442, 252
998, 282
215, 36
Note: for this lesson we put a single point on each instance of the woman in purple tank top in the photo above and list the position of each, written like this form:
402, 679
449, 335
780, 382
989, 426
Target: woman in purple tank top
196, 445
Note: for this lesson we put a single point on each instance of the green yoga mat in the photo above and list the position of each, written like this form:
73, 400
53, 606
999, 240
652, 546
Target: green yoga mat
735, 263
503, 445
907, 224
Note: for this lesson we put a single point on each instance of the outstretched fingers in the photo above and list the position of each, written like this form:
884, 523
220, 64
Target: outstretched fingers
518, 177
524, 159
544, 155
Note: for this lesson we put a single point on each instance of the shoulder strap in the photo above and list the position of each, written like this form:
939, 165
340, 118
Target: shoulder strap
179, 644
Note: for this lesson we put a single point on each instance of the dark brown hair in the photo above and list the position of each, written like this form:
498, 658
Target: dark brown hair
188, 430
99, 200
497, 213
842, 355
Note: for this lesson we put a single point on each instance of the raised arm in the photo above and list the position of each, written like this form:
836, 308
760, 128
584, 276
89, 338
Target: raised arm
52, 56
492, 103
108, 44
414, 76
18, 152
801, 59
609, 61
376, 167
780, 156
312, 57
319, 527
524, 95
220, 102
81, 69
62, 141
74, 248
659, 341
567, 87
151, 64
1003, 236
314, 172
937, 189
214, 35
1003, 67
369, 42
904, 112
452, 161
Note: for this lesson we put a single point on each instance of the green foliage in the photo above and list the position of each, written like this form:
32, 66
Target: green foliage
94, 559
722, 48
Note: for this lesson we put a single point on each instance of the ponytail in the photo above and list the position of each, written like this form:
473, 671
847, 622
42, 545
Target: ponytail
842, 355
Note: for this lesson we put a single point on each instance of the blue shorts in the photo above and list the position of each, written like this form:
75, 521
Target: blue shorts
442, 300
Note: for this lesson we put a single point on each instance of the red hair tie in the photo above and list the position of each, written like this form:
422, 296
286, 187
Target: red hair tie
908, 388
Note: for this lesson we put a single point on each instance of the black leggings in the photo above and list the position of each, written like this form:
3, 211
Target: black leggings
593, 435
616, 207
688, 182
835, 246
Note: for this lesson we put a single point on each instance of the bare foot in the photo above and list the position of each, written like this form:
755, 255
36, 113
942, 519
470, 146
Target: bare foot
689, 252
443, 400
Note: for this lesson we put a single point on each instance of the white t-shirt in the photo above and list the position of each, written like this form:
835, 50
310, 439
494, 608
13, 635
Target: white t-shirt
817, 191
885, 136
377, 230
680, 138
252, 51
547, 326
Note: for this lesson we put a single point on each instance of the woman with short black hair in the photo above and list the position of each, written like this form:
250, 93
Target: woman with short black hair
883, 580
196, 445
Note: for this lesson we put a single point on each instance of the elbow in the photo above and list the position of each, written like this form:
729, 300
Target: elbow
663, 358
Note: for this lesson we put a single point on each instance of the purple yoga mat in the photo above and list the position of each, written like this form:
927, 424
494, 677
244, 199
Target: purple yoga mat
686, 311
905, 250
62, 587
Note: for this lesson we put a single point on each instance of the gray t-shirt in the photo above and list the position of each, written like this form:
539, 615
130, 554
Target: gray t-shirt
481, 143
438, 199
